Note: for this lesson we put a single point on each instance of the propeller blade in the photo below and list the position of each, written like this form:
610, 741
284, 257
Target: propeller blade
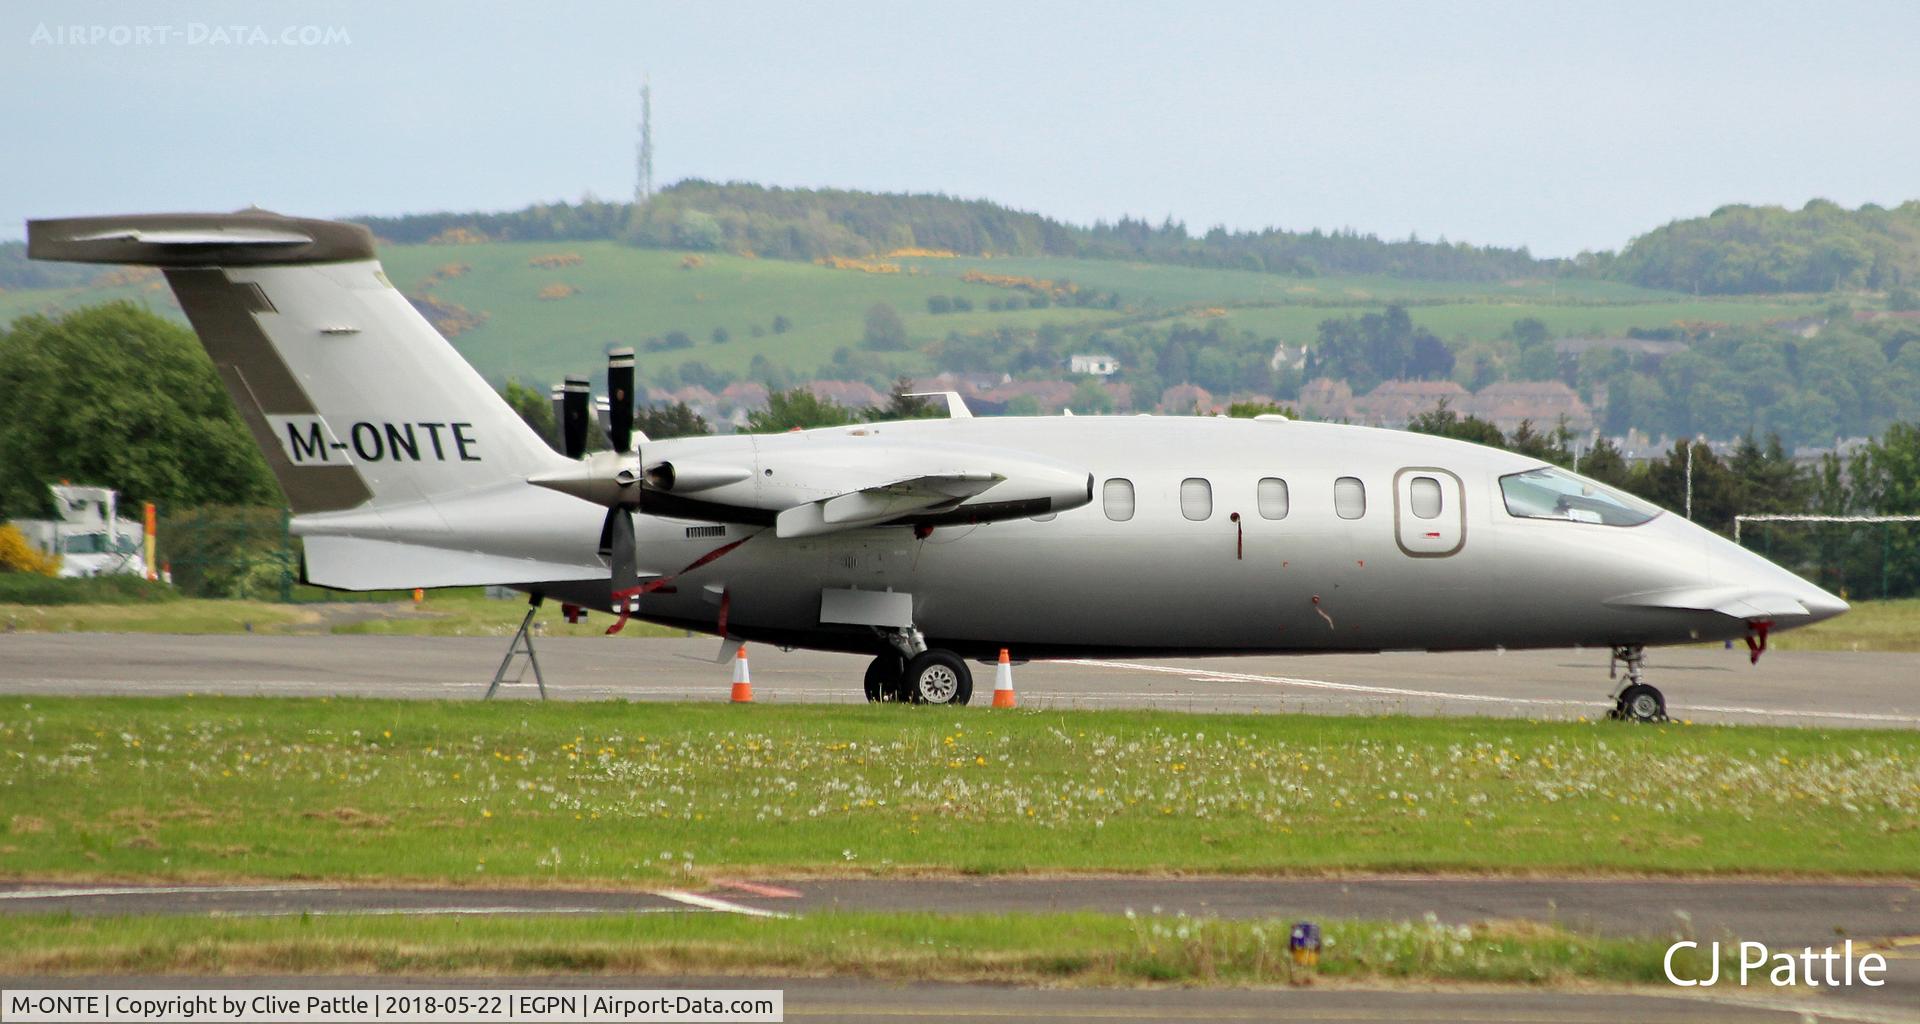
576, 403
620, 398
558, 395
616, 541
601, 418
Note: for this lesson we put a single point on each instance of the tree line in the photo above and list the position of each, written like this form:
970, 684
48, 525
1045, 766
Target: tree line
793, 223
1752, 249
1737, 249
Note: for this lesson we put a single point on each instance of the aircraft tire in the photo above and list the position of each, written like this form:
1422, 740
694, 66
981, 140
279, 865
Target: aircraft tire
886, 680
938, 677
1641, 703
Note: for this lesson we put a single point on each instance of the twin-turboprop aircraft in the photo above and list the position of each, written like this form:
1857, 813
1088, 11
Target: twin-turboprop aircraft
922, 543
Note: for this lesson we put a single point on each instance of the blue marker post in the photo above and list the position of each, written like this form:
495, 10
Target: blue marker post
1305, 945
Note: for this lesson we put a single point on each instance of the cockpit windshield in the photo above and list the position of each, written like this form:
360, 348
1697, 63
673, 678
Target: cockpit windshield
1549, 493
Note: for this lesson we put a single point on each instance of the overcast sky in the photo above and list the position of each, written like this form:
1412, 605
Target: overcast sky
1554, 125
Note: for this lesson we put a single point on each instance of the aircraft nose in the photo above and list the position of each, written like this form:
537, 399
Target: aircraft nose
1753, 574
1820, 605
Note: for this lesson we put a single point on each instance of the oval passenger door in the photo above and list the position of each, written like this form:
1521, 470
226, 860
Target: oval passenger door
1429, 517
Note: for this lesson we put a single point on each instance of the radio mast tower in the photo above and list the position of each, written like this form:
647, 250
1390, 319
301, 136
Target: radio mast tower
643, 180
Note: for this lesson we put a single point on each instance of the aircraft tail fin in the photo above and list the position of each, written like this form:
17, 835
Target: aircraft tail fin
355, 399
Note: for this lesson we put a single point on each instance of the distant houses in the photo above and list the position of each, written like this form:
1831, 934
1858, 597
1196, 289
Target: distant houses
1506, 404
1638, 349
853, 394
1392, 404
1187, 399
1096, 364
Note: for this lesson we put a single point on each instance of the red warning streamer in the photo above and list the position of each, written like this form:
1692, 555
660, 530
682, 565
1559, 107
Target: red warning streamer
1757, 639
623, 602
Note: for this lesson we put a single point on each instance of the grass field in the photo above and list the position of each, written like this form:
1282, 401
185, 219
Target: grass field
233, 788
1870, 626
1050, 949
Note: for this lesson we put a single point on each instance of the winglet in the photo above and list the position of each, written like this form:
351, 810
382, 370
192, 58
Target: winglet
956, 406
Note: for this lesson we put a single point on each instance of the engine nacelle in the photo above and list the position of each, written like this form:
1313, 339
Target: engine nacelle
689, 478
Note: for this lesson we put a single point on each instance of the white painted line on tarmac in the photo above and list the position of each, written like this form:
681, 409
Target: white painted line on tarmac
453, 911
149, 890
1856, 716
763, 890
1213, 675
694, 899
1395, 691
687, 900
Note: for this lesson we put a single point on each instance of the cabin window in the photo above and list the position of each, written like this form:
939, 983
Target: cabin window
1196, 498
1424, 495
1117, 498
1271, 494
1349, 497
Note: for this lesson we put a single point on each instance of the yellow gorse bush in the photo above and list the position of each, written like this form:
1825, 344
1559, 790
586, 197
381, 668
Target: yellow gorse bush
16, 555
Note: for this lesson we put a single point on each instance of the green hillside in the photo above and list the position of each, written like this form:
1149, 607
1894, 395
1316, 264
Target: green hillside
1742, 249
620, 295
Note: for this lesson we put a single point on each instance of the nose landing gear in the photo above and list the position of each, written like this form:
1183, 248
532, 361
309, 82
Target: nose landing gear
1634, 700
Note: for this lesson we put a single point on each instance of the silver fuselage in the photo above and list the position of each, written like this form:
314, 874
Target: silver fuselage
1082, 583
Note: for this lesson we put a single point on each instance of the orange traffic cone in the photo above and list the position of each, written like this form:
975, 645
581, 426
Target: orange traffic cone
1003, 682
742, 681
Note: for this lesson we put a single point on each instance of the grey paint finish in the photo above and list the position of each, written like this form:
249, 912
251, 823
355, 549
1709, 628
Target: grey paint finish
1082, 583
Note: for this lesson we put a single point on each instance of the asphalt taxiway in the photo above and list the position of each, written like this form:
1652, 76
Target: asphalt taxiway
1777, 912
1707, 684
1879, 916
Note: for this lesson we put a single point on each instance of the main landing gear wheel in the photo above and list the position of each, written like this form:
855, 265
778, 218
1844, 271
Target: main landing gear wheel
938, 677
886, 679
1640, 703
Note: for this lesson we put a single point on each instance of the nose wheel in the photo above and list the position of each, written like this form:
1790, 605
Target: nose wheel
1634, 699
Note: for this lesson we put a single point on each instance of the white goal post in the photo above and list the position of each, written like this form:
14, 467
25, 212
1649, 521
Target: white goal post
1786, 517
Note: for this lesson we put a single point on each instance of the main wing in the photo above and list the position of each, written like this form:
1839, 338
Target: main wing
815, 482
882, 503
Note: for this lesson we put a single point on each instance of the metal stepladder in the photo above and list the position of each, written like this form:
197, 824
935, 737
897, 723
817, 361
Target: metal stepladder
522, 644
